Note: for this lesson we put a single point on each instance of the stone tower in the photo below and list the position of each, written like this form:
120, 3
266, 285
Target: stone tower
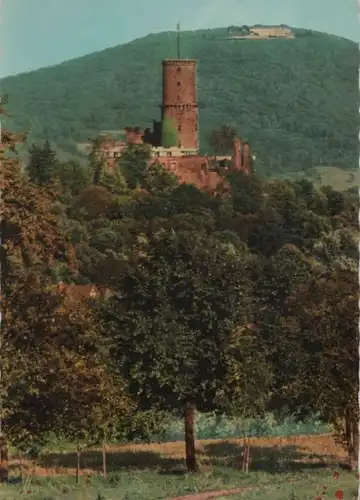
180, 100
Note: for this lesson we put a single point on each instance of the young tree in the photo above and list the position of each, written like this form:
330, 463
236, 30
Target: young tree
134, 162
94, 403
73, 177
42, 164
66, 385
96, 159
158, 180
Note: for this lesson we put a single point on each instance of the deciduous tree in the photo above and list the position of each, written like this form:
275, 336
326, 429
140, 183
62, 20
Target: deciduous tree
322, 328
54, 374
172, 318
222, 139
134, 162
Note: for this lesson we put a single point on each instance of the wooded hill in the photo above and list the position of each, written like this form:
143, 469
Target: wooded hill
296, 101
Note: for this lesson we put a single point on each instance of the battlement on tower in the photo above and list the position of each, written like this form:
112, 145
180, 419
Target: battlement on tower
179, 62
181, 106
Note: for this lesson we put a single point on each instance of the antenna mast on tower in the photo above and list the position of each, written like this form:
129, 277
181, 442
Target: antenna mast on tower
178, 40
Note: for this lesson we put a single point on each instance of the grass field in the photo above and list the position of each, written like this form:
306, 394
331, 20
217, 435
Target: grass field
295, 467
338, 178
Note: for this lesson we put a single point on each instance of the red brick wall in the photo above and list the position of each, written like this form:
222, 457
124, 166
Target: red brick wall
237, 154
180, 99
192, 170
242, 156
134, 136
247, 162
179, 81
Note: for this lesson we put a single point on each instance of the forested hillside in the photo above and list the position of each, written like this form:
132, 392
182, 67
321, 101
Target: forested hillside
296, 101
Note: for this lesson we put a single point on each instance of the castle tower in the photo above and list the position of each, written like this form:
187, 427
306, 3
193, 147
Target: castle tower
180, 100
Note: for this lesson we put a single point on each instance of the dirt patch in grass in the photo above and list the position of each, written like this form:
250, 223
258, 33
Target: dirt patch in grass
295, 451
207, 495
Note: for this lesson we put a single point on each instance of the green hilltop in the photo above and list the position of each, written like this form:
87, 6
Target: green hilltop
296, 101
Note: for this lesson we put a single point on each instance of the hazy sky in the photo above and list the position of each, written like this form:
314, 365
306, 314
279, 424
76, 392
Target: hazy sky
37, 33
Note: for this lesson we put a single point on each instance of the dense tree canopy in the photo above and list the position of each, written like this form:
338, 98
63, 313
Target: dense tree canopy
239, 303
181, 296
54, 369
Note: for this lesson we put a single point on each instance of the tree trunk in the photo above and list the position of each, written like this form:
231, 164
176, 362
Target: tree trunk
104, 459
4, 460
352, 441
190, 454
21, 469
355, 440
246, 456
77, 464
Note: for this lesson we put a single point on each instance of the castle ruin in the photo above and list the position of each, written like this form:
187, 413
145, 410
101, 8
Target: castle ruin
180, 108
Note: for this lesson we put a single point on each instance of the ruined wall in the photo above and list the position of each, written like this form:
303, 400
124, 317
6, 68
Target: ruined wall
180, 99
247, 159
237, 154
242, 156
134, 135
195, 169
192, 170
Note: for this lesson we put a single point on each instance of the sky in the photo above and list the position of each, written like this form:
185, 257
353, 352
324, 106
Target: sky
40, 33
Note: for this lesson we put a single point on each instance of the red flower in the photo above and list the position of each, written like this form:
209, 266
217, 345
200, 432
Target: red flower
339, 494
